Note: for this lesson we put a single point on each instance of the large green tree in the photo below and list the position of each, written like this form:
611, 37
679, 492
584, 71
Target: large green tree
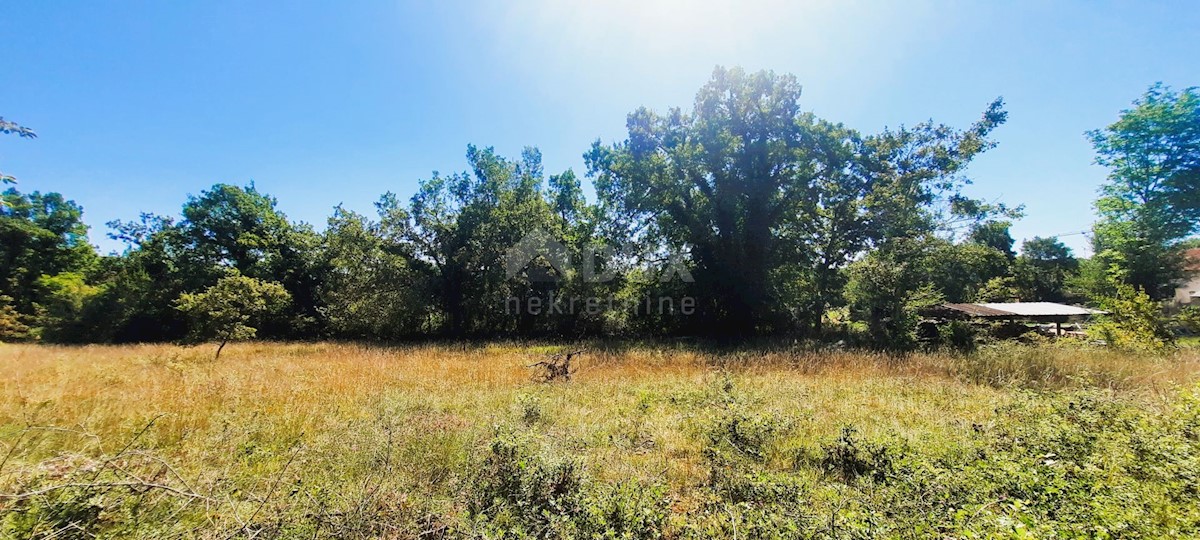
1151, 201
371, 289
1044, 268
769, 203
462, 226
40, 235
224, 228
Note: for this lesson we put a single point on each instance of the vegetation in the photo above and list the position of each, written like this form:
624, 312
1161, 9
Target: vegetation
778, 265
227, 310
656, 441
762, 218
13, 128
1151, 203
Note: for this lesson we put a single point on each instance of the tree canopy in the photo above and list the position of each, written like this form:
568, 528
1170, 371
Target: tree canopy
770, 202
743, 214
1151, 201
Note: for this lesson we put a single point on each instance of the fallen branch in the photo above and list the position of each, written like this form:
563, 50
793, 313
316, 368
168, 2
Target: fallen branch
146, 486
558, 367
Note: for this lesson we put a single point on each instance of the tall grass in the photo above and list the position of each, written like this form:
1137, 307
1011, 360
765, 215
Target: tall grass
349, 440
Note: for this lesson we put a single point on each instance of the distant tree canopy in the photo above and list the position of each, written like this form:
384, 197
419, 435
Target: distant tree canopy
1044, 267
741, 215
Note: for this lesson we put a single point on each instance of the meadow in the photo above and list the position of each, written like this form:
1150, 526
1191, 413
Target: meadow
778, 440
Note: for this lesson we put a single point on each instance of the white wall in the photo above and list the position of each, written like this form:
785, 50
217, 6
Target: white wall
1183, 295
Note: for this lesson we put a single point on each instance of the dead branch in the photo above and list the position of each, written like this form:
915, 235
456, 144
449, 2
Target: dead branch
145, 486
556, 368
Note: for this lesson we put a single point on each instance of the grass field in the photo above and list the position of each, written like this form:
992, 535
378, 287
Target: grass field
349, 441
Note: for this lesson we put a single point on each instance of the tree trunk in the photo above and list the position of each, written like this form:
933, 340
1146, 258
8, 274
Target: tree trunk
219, 347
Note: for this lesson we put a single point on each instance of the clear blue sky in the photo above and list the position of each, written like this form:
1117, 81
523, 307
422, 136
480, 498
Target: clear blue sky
139, 104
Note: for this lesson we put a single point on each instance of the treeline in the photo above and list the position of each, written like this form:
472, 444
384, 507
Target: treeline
745, 215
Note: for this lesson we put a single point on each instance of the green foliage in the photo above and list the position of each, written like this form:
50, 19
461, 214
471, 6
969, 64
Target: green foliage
462, 225
516, 494
1134, 321
1188, 320
1150, 202
958, 335
13, 128
12, 324
994, 234
849, 457
1044, 269
43, 235
370, 288
889, 289
770, 202
999, 289
232, 309
226, 227
65, 297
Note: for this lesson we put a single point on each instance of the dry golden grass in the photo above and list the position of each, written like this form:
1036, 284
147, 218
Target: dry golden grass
326, 419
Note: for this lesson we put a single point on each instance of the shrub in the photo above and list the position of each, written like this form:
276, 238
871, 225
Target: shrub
231, 309
1134, 321
957, 335
517, 494
849, 457
12, 323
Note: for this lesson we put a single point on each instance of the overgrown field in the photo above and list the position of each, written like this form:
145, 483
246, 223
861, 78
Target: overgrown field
348, 441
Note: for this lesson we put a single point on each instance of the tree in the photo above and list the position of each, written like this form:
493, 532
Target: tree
462, 226
12, 324
239, 227
232, 309
888, 293
40, 235
768, 202
889, 286
1151, 201
994, 234
64, 298
1044, 269
12, 128
1134, 321
224, 228
370, 288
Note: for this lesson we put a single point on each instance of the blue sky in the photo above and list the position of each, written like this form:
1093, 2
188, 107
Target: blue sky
138, 104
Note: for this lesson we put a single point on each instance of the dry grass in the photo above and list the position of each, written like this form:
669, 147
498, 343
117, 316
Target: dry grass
340, 423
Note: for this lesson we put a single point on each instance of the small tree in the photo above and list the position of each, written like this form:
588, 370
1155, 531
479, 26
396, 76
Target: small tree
1134, 320
232, 308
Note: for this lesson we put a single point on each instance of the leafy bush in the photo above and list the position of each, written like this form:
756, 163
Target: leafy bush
1134, 321
1188, 320
516, 494
849, 457
958, 335
231, 309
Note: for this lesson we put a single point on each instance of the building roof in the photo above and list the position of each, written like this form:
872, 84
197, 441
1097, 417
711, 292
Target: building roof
976, 310
1020, 309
